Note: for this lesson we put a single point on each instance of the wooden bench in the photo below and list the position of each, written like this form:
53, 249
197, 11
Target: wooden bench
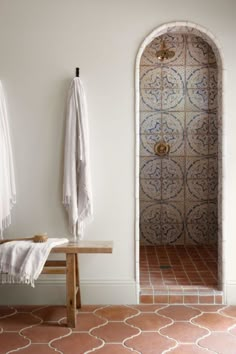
70, 267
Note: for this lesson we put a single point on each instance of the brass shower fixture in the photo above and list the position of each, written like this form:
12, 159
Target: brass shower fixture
164, 53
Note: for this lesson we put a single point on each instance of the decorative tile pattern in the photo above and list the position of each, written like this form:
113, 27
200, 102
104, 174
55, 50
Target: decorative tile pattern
178, 105
145, 329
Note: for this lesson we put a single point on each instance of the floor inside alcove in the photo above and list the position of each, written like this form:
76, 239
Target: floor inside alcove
179, 274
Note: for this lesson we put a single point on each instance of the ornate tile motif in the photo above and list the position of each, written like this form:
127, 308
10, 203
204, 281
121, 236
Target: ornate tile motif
150, 123
173, 99
178, 105
150, 167
173, 123
150, 189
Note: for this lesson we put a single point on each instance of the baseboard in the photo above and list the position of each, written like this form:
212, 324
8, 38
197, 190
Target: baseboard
230, 293
54, 293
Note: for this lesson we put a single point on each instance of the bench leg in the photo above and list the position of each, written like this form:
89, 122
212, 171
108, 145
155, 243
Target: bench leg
71, 289
78, 298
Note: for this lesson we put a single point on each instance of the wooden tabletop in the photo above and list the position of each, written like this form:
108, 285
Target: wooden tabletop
84, 247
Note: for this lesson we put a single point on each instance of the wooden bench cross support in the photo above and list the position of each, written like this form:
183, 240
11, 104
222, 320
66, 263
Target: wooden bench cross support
70, 267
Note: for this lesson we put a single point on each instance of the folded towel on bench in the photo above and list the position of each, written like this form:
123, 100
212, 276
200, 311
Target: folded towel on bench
23, 261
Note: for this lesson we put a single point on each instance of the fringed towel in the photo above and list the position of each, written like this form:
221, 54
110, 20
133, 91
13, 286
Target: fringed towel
23, 261
76, 185
7, 176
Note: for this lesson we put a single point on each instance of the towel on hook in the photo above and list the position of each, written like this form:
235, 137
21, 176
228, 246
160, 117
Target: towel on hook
77, 195
23, 261
7, 176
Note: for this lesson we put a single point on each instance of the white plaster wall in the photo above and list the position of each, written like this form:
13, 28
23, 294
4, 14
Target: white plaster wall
41, 43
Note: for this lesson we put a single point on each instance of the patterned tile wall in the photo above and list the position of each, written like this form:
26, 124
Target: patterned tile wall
178, 105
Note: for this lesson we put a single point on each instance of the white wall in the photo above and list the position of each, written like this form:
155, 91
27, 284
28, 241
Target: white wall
41, 43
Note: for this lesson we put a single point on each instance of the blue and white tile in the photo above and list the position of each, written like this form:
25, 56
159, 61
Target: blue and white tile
197, 189
173, 123
172, 213
173, 77
150, 77
212, 99
150, 189
150, 233
213, 234
197, 100
197, 53
196, 167
173, 167
213, 168
150, 167
172, 189
213, 123
172, 233
213, 189
173, 99
197, 212
197, 77
150, 212
211, 56
213, 78
196, 233
150, 99
213, 144
176, 143
150, 123
213, 213
197, 123
147, 143
197, 145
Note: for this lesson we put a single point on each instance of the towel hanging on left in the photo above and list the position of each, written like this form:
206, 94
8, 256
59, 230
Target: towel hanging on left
7, 176
77, 194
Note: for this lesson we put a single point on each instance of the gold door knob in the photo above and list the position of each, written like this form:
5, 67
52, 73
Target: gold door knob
161, 149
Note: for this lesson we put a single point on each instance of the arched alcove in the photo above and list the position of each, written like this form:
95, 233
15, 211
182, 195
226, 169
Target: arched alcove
179, 195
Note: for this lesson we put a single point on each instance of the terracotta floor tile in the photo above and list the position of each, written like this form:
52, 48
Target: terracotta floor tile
45, 333
184, 332
26, 308
86, 321
18, 322
51, 313
89, 308
77, 343
37, 349
114, 332
229, 311
148, 308
6, 311
214, 321
114, 349
116, 313
190, 349
148, 321
11, 341
223, 343
208, 308
179, 313
150, 343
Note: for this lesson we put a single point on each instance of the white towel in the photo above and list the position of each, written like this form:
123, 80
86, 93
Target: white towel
23, 261
77, 195
7, 176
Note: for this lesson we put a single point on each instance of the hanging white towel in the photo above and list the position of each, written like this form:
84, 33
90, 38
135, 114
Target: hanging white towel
7, 176
77, 196
23, 261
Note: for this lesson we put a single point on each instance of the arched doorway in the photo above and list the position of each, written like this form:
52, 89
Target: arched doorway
179, 164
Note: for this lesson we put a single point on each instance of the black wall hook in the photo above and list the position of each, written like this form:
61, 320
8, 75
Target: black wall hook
77, 72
